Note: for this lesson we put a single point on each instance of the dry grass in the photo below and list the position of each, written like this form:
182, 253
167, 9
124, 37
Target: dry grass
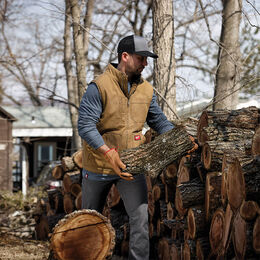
13, 248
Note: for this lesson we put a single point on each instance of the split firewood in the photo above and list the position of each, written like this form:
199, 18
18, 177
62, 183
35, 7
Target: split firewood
86, 233
153, 157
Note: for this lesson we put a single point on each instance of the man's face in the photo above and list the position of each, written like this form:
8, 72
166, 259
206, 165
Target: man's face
135, 64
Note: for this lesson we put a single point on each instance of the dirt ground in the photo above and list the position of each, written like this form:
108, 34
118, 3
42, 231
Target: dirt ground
13, 248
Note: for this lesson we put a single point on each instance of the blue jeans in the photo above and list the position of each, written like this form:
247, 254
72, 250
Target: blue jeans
134, 196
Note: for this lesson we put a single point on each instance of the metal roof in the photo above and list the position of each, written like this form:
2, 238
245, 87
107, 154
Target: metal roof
6, 114
39, 117
40, 121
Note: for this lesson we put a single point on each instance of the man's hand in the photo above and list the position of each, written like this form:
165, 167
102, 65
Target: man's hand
112, 157
195, 147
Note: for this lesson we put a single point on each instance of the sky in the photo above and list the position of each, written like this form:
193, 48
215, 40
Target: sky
190, 84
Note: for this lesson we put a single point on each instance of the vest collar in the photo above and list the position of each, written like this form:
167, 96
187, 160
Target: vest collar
122, 79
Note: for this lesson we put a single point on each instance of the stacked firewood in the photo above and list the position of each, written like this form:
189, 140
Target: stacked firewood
201, 205
60, 201
206, 205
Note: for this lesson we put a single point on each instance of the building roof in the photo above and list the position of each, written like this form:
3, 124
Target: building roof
7, 115
40, 121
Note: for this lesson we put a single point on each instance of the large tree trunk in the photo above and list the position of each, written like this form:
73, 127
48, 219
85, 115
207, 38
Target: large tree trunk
71, 82
78, 48
163, 45
228, 73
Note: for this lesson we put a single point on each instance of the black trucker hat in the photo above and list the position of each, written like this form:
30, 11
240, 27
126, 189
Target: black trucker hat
135, 44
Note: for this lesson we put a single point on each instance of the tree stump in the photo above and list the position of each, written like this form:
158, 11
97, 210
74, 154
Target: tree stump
84, 234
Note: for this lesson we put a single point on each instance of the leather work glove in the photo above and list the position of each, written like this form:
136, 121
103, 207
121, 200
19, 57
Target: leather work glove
112, 157
194, 148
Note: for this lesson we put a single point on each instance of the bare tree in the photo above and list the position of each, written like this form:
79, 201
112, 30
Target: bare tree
163, 44
72, 86
27, 59
229, 64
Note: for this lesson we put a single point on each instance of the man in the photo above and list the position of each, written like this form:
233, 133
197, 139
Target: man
112, 114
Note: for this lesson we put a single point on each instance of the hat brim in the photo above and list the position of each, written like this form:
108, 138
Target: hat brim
147, 54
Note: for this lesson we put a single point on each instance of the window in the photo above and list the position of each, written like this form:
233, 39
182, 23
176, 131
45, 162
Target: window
44, 153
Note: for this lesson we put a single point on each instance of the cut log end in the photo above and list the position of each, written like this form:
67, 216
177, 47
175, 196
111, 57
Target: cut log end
248, 210
86, 230
203, 122
217, 230
206, 156
235, 185
239, 236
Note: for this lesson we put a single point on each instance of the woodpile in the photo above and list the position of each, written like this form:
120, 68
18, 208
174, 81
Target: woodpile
18, 223
201, 206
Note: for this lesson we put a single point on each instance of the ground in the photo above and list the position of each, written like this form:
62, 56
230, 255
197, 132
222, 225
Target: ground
14, 248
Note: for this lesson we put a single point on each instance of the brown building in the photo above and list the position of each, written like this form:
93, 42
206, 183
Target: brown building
41, 136
6, 148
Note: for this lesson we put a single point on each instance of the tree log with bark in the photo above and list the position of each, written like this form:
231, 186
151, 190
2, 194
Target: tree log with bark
83, 234
152, 158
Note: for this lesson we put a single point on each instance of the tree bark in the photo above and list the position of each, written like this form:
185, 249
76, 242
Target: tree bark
163, 45
229, 63
189, 194
213, 153
153, 157
72, 86
78, 48
246, 118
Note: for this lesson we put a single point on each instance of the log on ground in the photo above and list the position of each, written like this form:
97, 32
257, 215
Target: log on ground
83, 233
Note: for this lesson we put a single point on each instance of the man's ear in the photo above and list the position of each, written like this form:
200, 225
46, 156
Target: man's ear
124, 56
